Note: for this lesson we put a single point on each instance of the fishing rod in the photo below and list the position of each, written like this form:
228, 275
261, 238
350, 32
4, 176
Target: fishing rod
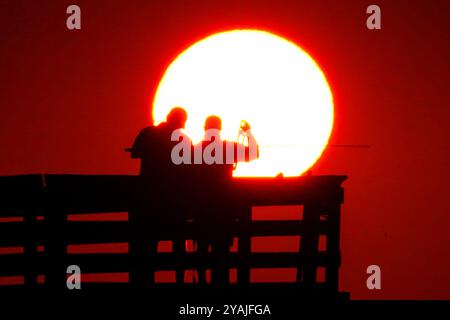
359, 146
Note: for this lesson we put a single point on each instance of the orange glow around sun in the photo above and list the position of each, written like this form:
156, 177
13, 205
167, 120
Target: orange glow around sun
259, 77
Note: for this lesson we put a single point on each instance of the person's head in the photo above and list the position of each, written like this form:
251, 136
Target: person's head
177, 118
213, 122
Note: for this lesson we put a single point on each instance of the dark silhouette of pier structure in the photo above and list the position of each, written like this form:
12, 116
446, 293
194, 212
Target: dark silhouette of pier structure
41, 204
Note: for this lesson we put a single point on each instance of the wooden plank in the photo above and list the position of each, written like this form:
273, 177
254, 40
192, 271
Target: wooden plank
96, 232
170, 261
309, 244
333, 247
19, 193
282, 228
244, 247
14, 233
91, 193
19, 263
289, 191
115, 193
55, 251
13, 264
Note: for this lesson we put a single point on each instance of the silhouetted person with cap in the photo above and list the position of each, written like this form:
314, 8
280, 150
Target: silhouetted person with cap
153, 145
216, 217
159, 205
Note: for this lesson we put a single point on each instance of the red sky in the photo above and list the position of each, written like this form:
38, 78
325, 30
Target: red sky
70, 101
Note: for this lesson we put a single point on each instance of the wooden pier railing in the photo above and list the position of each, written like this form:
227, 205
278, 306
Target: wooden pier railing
34, 211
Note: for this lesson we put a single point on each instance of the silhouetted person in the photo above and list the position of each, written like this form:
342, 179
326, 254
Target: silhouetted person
216, 215
159, 205
153, 145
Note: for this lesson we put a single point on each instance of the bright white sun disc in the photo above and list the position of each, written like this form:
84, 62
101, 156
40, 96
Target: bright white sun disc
262, 78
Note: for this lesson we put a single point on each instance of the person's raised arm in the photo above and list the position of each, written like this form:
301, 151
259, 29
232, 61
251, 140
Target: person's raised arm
252, 150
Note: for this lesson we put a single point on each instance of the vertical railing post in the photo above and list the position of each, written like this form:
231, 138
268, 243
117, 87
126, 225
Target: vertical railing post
55, 248
333, 247
141, 257
309, 243
30, 247
244, 247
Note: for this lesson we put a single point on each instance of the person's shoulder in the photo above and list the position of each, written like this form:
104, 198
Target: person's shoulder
147, 129
153, 129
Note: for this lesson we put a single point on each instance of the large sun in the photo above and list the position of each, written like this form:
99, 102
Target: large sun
262, 78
